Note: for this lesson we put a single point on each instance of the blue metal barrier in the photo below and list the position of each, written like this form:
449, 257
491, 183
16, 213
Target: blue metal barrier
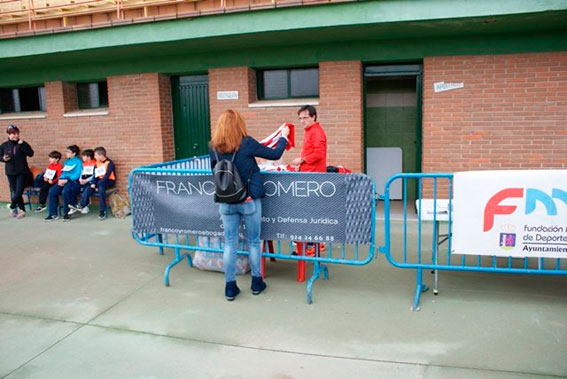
432, 249
334, 253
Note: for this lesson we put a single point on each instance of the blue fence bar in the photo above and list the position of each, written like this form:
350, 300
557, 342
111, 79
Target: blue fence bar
431, 250
355, 253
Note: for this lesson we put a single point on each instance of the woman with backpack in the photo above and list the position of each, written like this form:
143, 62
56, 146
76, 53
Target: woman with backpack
14, 154
232, 143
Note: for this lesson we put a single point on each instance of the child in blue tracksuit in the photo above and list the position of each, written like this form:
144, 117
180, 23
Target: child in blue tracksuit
68, 185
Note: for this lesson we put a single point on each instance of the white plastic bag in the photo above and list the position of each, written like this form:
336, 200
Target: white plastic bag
210, 261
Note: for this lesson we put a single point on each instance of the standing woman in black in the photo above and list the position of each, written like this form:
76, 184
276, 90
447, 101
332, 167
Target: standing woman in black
14, 153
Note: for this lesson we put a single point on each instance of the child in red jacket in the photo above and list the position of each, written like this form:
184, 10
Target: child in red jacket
49, 178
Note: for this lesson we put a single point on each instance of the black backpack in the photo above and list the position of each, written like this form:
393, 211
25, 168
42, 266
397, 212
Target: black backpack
229, 187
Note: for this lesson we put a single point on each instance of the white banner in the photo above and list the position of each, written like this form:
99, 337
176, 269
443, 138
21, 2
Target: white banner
510, 213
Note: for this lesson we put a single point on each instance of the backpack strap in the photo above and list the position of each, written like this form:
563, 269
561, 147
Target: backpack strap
232, 160
249, 174
217, 156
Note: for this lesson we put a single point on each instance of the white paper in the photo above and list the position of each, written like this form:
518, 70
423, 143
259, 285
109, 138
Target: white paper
49, 174
100, 171
88, 170
68, 168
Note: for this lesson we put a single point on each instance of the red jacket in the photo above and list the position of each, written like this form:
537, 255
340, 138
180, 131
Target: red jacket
57, 167
314, 150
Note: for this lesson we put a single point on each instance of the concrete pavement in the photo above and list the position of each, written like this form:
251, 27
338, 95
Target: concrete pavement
83, 300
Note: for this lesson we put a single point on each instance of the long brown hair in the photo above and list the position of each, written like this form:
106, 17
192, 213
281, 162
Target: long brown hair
230, 131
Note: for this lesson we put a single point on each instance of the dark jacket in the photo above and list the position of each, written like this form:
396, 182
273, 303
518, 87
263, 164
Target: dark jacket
19, 153
109, 174
246, 164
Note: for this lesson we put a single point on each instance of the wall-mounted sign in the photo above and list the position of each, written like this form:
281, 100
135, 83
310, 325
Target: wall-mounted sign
442, 86
227, 95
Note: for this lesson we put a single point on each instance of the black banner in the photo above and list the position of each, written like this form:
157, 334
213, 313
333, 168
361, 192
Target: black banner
299, 206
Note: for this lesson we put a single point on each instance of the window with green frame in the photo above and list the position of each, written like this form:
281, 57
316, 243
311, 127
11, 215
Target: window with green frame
92, 95
28, 99
288, 83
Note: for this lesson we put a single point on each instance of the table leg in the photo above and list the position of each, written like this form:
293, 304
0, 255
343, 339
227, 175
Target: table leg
300, 264
270, 244
436, 258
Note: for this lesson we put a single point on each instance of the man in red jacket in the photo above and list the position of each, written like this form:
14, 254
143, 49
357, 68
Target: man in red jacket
314, 151
313, 159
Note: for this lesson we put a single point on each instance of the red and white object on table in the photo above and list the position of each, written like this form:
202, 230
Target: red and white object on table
273, 138
272, 166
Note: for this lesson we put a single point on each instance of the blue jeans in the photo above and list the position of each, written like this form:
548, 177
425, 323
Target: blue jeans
102, 186
70, 191
231, 215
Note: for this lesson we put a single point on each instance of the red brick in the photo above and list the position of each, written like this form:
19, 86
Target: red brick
137, 131
339, 110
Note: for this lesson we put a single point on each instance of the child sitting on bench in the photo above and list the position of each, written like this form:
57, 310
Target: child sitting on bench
67, 185
87, 175
48, 179
103, 179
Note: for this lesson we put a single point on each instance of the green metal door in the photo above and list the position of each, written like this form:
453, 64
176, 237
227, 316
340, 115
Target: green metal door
192, 127
393, 122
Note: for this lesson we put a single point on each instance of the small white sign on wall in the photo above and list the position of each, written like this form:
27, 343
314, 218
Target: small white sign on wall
442, 86
227, 95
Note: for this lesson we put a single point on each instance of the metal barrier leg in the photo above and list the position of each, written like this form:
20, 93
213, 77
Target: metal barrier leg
314, 277
420, 287
178, 258
325, 272
160, 240
318, 269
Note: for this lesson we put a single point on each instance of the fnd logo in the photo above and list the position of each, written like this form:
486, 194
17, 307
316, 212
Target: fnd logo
532, 195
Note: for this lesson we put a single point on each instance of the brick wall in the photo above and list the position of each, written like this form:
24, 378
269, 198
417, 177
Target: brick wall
138, 129
339, 110
166, 118
511, 113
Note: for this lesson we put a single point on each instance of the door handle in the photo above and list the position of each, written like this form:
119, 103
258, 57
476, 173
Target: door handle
195, 146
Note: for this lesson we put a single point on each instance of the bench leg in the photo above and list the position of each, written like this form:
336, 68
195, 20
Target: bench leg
29, 195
